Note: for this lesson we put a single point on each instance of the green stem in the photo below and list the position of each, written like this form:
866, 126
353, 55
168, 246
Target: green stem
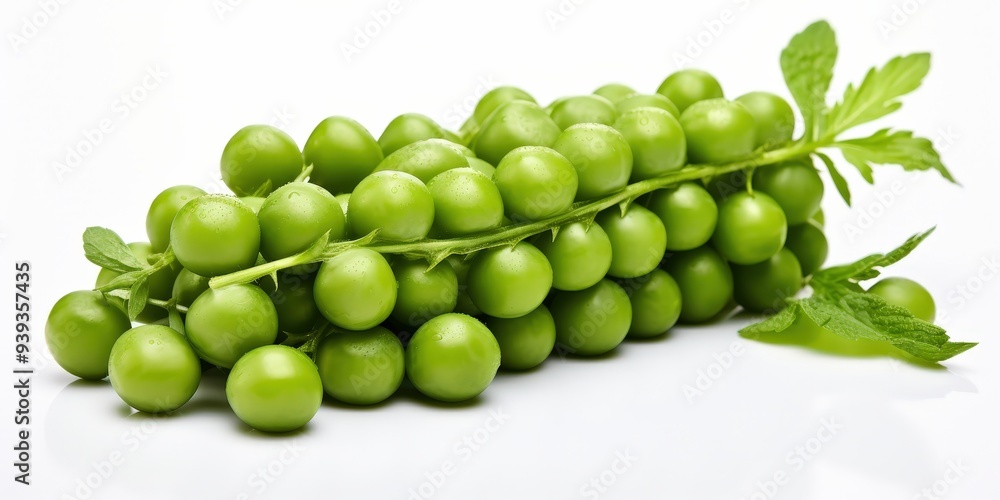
125, 280
168, 304
435, 250
304, 174
313, 254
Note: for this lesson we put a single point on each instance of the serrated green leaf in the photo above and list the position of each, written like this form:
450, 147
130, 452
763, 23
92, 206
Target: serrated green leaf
555, 232
879, 92
842, 307
105, 248
897, 254
860, 315
893, 148
934, 354
807, 64
838, 180
138, 294
773, 324
861, 164
865, 268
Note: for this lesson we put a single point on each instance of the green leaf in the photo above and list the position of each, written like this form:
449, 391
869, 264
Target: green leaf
879, 93
774, 324
865, 268
892, 148
860, 315
840, 306
838, 180
105, 248
896, 254
807, 64
137, 297
860, 163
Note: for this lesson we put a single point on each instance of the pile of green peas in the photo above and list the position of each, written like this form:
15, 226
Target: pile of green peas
686, 253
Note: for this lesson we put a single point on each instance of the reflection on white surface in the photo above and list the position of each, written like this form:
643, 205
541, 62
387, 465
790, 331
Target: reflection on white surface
776, 420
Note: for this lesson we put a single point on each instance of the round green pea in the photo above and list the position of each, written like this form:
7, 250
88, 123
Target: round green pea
637, 101
601, 156
341, 152
452, 358
689, 214
583, 109
908, 294
524, 341
154, 369
465, 202
514, 124
406, 129
81, 330
688, 86
591, 321
656, 140
615, 92
361, 368
294, 216
656, 303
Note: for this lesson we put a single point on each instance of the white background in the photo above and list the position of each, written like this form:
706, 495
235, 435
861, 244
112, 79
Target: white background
900, 428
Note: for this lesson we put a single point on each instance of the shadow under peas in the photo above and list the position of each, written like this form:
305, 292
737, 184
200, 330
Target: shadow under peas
579, 358
331, 402
655, 339
211, 395
246, 430
83, 385
80, 387
214, 378
513, 373
206, 405
408, 392
123, 410
144, 416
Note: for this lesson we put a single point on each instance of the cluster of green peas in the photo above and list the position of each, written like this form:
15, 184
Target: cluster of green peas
681, 253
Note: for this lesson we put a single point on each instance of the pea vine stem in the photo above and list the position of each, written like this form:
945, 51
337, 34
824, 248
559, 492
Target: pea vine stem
125, 280
436, 250
304, 174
